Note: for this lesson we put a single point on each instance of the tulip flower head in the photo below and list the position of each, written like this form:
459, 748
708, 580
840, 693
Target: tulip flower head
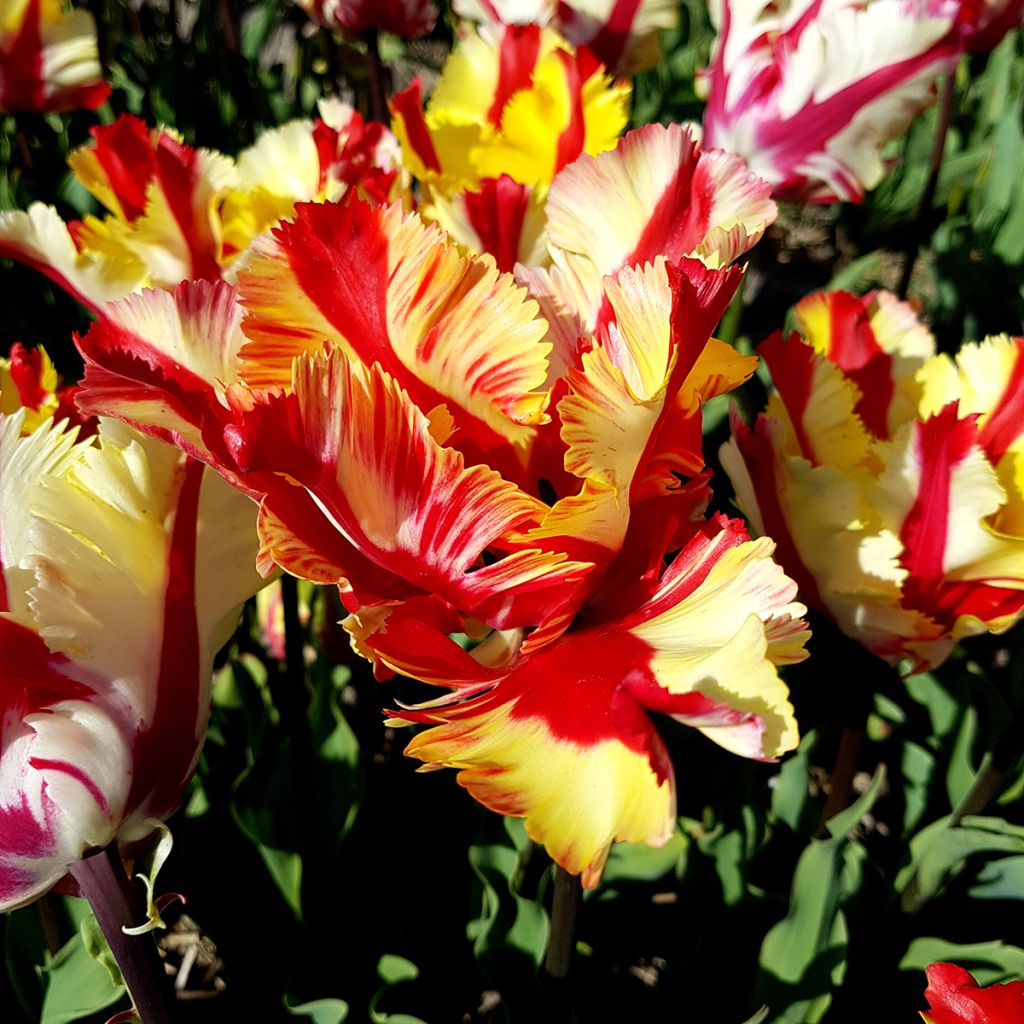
29, 382
391, 405
983, 23
889, 476
516, 100
176, 213
123, 565
622, 34
808, 93
954, 997
406, 18
49, 61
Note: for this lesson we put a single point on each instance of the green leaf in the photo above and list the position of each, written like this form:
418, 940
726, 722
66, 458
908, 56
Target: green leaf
918, 767
792, 802
393, 969
636, 862
285, 869
989, 962
1001, 879
96, 946
507, 923
320, 1011
803, 957
962, 769
939, 853
77, 985
858, 275
257, 27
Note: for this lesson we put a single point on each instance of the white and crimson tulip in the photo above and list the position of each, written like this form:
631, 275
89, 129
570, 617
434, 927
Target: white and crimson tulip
178, 213
49, 60
672, 199
622, 34
390, 404
890, 477
406, 18
983, 23
808, 92
123, 565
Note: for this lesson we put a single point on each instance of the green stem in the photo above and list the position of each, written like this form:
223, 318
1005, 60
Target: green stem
562, 939
103, 882
917, 231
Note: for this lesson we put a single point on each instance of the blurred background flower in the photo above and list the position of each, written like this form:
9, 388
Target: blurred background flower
49, 59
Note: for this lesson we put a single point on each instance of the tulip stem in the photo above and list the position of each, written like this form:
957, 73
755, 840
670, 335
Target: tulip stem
562, 940
841, 782
103, 882
916, 235
376, 79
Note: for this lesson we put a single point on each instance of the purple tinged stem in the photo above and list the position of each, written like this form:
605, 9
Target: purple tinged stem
103, 882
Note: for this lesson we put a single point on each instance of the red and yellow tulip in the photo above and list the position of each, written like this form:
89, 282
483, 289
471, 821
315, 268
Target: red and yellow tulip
954, 997
177, 214
49, 61
516, 100
890, 476
392, 405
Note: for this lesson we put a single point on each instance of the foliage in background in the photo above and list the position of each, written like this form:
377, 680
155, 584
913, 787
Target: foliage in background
327, 881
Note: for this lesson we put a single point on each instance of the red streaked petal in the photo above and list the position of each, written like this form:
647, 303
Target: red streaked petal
162, 361
38, 238
877, 342
564, 739
817, 403
671, 200
384, 488
499, 217
562, 743
388, 290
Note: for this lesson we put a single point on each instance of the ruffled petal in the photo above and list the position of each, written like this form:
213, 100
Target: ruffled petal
386, 289
387, 492
671, 200
38, 238
878, 343
808, 93
564, 740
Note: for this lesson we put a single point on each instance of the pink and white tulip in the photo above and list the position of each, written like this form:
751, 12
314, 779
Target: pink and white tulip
809, 91
622, 34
